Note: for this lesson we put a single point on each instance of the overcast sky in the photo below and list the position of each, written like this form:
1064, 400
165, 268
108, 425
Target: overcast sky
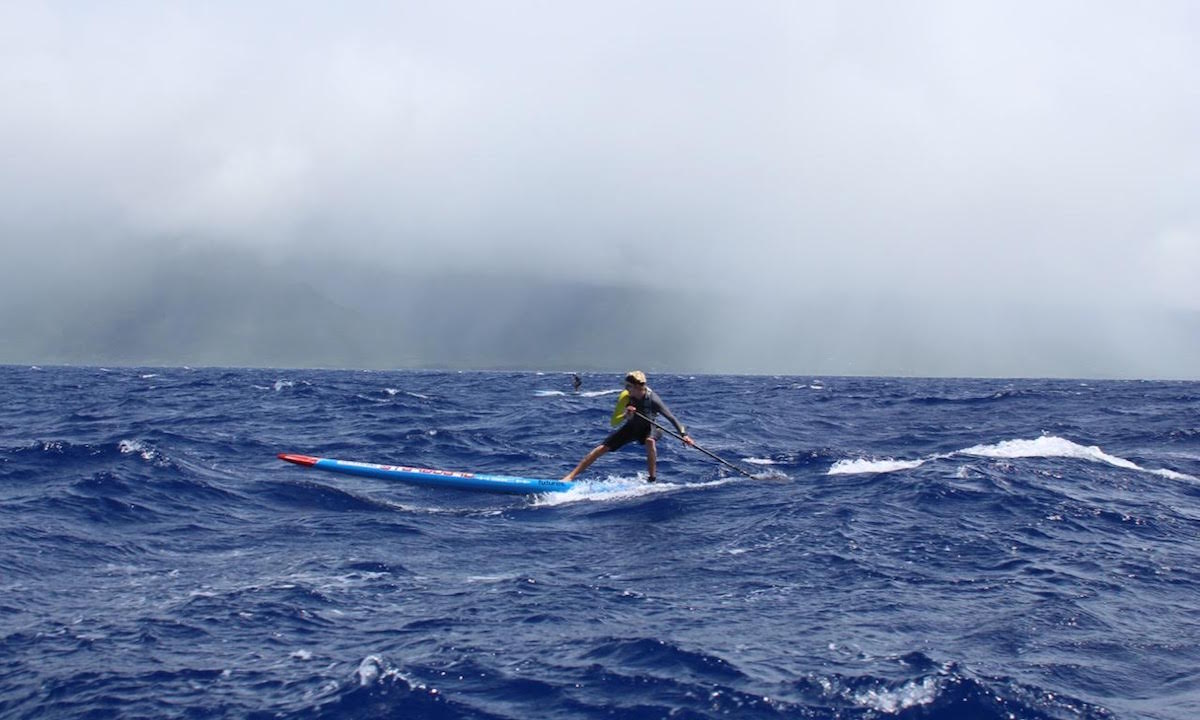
1012, 156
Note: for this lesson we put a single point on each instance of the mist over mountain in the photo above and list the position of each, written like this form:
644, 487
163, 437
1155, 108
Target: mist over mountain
230, 308
220, 306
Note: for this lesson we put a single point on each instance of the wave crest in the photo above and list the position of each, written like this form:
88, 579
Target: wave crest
1047, 446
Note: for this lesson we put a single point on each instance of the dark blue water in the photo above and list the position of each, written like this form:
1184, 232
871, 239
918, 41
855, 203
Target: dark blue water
910, 549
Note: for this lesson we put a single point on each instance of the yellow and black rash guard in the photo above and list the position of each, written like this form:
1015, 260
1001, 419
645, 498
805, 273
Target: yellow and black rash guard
651, 405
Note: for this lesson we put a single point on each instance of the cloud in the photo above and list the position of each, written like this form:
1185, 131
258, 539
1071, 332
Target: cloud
799, 158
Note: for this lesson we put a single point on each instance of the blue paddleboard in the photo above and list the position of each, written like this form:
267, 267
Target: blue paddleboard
435, 478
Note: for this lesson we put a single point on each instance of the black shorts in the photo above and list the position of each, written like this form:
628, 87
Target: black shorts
627, 433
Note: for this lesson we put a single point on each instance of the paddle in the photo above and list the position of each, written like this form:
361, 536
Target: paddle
711, 455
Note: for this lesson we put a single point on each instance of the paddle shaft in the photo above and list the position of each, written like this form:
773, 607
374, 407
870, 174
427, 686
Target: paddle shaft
726, 463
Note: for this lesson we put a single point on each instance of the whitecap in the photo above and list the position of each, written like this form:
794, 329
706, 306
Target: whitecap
491, 579
619, 488
862, 465
1050, 446
369, 670
892, 701
129, 447
1047, 446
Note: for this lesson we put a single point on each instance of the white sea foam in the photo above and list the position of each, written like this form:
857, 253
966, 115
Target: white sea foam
281, 384
1047, 446
129, 447
892, 701
618, 488
1051, 446
393, 392
369, 670
491, 579
759, 461
563, 393
862, 465
612, 488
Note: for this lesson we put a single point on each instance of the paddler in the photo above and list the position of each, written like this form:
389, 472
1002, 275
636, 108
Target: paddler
637, 397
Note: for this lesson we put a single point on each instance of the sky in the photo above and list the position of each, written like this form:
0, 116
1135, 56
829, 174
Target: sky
917, 188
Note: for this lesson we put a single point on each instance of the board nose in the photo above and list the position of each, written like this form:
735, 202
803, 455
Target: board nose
298, 459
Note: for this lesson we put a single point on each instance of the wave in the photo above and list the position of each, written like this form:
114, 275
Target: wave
648, 677
59, 452
935, 692
1047, 446
378, 686
759, 461
661, 656
584, 393
1050, 446
313, 495
143, 450
620, 488
281, 384
862, 465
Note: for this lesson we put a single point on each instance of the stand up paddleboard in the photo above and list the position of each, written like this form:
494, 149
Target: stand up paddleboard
434, 478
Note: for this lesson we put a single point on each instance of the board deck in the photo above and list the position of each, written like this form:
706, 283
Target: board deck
433, 478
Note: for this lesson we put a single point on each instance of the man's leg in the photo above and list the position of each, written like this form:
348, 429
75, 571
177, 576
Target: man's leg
651, 458
587, 460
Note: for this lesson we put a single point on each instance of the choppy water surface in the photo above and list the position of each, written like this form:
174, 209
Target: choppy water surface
909, 548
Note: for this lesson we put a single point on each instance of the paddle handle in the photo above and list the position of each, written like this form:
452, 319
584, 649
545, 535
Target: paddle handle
671, 432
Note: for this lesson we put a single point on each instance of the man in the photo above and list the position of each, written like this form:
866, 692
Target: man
636, 398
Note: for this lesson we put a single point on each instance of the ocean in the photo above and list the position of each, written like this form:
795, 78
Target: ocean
907, 548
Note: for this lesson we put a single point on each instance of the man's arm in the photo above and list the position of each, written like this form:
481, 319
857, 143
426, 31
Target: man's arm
660, 407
